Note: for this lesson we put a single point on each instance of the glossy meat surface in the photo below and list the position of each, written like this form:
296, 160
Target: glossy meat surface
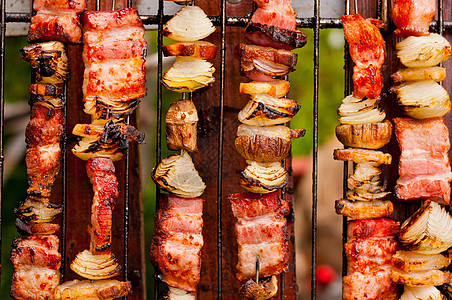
75, 5
278, 13
382, 227
43, 157
177, 241
424, 166
367, 50
413, 17
48, 25
101, 173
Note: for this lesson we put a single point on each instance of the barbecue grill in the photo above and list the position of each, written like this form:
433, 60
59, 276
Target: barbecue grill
216, 163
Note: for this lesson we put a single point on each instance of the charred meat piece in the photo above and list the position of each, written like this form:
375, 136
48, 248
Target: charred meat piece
278, 56
424, 166
261, 234
367, 50
197, 49
103, 20
382, 227
177, 241
273, 36
73, 5
101, 172
358, 210
86, 289
413, 17
36, 262
59, 25
43, 156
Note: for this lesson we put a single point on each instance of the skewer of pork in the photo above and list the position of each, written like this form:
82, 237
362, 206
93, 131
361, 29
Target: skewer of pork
114, 79
264, 142
424, 168
35, 258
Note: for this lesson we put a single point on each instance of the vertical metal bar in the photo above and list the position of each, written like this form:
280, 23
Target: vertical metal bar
64, 179
158, 149
97, 5
2, 108
315, 148
220, 149
440, 17
345, 174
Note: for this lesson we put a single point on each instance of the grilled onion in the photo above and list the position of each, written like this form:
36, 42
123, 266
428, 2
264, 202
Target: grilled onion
419, 74
275, 88
265, 144
363, 155
366, 193
428, 292
34, 211
181, 121
262, 69
177, 294
104, 108
368, 136
92, 290
360, 111
49, 62
428, 231
265, 110
411, 261
423, 99
263, 178
423, 51
364, 173
265, 289
188, 24
417, 278
177, 174
358, 210
189, 74
95, 267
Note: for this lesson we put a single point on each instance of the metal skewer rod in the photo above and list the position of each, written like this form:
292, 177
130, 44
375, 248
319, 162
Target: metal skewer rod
258, 266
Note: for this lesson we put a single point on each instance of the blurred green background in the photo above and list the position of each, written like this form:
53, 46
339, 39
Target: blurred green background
16, 109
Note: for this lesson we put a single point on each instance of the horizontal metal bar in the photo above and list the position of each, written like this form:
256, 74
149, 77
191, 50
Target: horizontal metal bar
230, 21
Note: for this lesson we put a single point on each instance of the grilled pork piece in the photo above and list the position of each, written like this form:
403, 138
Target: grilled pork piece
369, 250
367, 50
413, 17
99, 289
424, 166
75, 5
101, 173
36, 261
177, 241
277, 13
114, 53
261, 232
43, 135
60, 25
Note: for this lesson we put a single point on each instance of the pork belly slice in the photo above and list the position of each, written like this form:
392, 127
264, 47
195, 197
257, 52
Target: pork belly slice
367, 49
174, 204
249, 205
120, 43
74, 5
262, 230
103, 20
50, 242
368, 248
278, 13
35, 256
413, 17
178, 257
428, 135
382, 227
421, 163
34, 283
434, 187
273, 259
120, 79
59, 25
101, 172
176, 222
375, 285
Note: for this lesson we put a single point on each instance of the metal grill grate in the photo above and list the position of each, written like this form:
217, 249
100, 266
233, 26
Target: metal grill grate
223, 21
